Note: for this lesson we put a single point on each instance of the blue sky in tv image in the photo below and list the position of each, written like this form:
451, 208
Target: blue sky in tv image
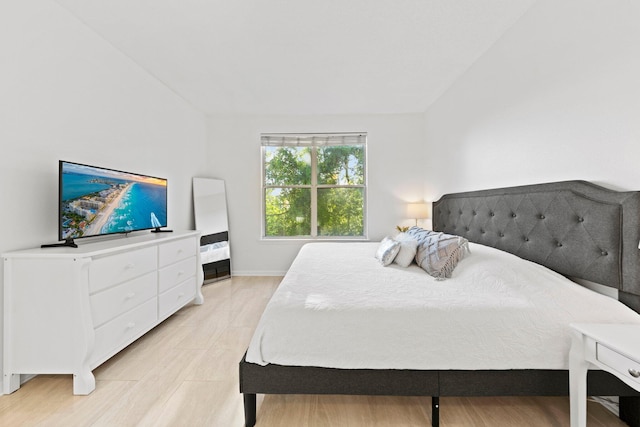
97, 201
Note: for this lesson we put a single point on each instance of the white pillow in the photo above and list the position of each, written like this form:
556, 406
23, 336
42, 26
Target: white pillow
387, 251
408, 249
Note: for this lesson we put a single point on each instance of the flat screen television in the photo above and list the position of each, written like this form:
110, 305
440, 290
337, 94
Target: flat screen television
96, 201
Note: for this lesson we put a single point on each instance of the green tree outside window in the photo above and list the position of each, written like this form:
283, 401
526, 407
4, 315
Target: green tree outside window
314, 185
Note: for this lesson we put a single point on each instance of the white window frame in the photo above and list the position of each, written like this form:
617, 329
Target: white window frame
314, 140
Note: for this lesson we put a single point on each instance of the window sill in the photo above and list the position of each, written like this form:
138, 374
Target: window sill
310, 239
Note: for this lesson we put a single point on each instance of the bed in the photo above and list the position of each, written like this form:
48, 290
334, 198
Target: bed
574, 228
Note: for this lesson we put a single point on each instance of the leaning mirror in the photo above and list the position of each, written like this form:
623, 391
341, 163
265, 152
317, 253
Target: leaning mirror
210, 209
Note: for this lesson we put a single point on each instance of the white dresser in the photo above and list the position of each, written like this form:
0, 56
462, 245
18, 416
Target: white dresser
67, 310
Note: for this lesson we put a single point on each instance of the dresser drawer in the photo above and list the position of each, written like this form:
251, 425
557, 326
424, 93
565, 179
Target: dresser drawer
111, 270
176, 251
176, 297
622, 364
175, 273
116, 300
124, 329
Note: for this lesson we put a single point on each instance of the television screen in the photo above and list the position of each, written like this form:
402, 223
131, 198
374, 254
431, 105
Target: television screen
95, 201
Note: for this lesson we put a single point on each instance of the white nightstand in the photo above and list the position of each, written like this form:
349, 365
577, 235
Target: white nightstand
614, 348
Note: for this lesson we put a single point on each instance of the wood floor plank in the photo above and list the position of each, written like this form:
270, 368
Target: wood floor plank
201, 403
185, 373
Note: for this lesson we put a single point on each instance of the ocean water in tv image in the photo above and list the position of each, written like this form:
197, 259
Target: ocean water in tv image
77, 185
135, 209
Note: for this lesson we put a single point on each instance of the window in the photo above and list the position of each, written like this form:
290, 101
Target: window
314, 185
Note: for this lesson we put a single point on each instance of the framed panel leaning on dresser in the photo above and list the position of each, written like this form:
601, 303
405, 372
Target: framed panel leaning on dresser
68, 310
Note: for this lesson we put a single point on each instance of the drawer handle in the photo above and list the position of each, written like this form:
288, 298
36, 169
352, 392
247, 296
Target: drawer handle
129, 266
180, 273
131, 325
180, 295
634, 373
130, 295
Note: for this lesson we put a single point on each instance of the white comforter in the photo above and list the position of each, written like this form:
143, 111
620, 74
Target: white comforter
337, 307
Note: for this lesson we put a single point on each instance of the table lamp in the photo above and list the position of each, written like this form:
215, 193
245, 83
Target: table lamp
418, 211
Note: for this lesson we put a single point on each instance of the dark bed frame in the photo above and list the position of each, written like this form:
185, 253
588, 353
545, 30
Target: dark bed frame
576, 228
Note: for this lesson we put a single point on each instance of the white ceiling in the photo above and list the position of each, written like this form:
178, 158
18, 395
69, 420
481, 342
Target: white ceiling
303, 56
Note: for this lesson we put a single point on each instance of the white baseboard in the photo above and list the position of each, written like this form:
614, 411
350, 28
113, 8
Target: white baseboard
258, 273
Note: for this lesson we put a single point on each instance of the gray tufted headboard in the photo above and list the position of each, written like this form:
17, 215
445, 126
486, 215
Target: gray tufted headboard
576, 228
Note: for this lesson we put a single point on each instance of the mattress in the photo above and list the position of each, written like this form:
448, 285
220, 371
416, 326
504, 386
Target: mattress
337, 307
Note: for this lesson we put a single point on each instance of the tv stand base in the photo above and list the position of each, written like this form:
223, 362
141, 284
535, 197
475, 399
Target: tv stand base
161, 230
68, 242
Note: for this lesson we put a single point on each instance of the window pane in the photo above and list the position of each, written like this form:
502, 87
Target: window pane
287, 165
341, 165
340, 211
287, 212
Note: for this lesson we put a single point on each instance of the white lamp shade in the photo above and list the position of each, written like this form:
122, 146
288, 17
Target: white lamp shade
418, 210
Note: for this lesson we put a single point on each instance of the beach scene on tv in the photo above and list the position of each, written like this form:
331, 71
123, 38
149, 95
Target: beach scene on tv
96, 201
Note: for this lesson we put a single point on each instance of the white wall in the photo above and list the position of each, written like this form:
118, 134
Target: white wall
395, 165
557, 98
67, 94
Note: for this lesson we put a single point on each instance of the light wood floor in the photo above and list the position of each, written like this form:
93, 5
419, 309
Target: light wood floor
185, 373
